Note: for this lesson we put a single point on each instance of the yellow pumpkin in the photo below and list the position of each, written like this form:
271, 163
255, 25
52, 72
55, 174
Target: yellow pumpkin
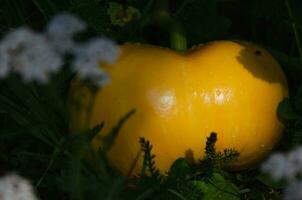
228, 87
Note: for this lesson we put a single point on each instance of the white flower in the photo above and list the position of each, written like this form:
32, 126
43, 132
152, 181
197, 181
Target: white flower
276, 166
284, 166
293, 191
13, 187
295, 157
88, 57
61, 29
29, 54
34, 56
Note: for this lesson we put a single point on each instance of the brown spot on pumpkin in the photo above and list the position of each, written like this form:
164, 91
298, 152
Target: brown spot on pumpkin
258, 52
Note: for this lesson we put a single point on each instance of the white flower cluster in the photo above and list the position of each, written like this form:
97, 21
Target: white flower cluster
14, 187
61, 29
293, 191
286, 166
28, 54
90, 54
35, 56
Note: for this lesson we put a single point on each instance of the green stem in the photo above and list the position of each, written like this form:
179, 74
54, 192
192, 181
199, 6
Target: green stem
178, 40
294, 26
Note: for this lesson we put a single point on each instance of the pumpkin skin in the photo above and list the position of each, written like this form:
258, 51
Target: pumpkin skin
231, 88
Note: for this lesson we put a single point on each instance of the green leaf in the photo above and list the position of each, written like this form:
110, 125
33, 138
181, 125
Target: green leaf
256, 194
267, 180
218, 188
180, 168
286, 110
110, 137
148, 162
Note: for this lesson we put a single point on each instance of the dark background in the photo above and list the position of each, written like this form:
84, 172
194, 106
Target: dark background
33, 127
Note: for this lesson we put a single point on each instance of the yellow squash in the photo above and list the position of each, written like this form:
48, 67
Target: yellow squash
231, 88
